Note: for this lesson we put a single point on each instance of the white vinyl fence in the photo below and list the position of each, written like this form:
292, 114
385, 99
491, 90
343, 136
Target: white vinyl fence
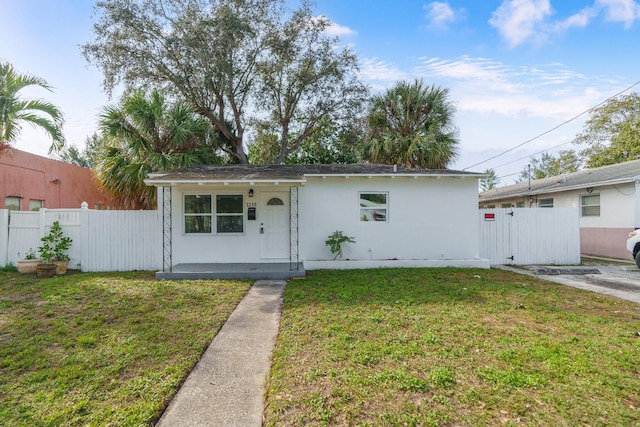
525, 236
132, 240
102, 240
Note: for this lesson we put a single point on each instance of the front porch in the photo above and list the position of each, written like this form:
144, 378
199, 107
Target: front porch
233, 271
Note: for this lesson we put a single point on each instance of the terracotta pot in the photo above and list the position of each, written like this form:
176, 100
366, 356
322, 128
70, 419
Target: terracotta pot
28, 265
46, 270
61, 267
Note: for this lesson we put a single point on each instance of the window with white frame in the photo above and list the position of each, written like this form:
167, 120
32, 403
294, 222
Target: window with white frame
197, 213
590, 205
545, 203
520, 205
35, 205
506, 205
374, 207
229, 213
12, 203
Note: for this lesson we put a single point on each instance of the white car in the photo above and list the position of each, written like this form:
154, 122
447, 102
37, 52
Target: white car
633, 245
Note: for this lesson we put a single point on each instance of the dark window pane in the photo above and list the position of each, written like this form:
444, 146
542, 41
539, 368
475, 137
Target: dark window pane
275, 202
197, 204
229, 224
229, 204
197, 224
373, 200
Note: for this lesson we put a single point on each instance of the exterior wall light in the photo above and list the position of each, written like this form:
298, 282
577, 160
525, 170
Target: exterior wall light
251, 192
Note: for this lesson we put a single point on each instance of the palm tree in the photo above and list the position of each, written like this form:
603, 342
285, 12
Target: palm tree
412, 125
147, 134
14, 111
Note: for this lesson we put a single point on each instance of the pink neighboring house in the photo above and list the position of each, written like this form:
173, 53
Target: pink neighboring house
30, 182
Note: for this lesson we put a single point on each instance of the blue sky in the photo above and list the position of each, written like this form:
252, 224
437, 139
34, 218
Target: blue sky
515, 68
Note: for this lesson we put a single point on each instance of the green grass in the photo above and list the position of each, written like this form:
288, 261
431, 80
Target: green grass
102, 349
434, 347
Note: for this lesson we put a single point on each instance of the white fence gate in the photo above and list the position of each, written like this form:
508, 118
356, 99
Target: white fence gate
102, 240
524, 236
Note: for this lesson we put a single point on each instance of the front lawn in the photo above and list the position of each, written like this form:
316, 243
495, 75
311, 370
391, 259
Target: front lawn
433, 347
102, 349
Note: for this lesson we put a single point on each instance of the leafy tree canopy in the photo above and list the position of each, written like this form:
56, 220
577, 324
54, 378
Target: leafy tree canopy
16, 111
86, 158
333, 144
491, 181
548, 165
412, 125
242, 64
612, 133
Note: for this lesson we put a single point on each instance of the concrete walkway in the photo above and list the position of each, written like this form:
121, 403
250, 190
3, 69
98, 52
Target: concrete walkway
588, 282
226, 387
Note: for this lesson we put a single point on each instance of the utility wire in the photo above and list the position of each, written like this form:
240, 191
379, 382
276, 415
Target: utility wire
551, 130
533, 155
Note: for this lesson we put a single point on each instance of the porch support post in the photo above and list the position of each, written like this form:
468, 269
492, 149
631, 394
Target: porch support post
294, 260
167, 264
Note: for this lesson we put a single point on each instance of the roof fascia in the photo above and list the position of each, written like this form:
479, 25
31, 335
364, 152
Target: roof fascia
164, 182
550, 190
392, 175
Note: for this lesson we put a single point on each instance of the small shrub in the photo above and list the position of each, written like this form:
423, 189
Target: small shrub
55, 245
31, 254
335, 242
9, 268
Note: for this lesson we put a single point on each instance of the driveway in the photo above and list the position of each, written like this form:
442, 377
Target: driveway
617, 279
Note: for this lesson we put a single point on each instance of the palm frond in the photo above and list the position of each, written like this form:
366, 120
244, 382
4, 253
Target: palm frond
148, 134
411, 125
14, 110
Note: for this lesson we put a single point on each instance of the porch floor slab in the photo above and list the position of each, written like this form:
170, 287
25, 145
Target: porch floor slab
233, 271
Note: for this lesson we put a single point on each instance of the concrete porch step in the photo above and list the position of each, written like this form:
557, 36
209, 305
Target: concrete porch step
233, 271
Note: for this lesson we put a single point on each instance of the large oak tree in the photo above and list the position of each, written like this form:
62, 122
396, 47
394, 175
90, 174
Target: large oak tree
612, 133
239, 63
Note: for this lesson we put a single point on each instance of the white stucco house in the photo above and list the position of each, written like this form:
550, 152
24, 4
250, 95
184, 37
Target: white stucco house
608, 199
268, 215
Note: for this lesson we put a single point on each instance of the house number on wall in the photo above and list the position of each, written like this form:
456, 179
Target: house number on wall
251, 204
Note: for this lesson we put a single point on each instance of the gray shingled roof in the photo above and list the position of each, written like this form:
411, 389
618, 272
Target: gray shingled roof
597, 177
221, 173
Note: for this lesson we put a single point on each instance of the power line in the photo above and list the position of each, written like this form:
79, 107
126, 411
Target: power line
556, 127
532, 155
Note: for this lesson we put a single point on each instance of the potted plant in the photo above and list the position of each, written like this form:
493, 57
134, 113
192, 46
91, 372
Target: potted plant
29, 262
54, 251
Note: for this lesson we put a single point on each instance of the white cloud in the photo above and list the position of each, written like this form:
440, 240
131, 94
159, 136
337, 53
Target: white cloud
485, 86
440, 14
626, 11
465, 68
521, 20
375, 70
335, 29
580, 19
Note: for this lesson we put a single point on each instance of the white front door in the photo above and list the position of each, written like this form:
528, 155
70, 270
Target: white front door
274, 225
